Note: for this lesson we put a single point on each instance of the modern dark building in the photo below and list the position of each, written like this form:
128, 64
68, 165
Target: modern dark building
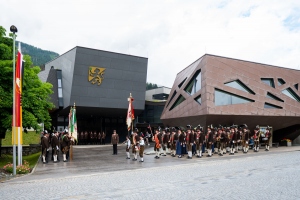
99, 83
154, 106
219, 90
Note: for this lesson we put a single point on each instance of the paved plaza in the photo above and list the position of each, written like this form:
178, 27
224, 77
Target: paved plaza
96, 174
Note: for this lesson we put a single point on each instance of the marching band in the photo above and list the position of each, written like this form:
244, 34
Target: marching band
179, 141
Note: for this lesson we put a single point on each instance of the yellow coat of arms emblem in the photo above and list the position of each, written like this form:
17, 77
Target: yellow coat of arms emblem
96, 74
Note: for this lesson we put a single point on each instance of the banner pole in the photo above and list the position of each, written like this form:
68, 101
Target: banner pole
14, 107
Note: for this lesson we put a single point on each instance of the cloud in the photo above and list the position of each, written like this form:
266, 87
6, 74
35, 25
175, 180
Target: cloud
171, 33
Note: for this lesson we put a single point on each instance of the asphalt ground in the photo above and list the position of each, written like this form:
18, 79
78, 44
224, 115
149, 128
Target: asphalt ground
94, 173
91, 159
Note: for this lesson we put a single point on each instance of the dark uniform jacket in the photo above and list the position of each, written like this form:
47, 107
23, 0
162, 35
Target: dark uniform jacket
114, 138
175, 137
137, 139
65, 141
210, 137
54, 141
223, 137
246, 136
234, 136
190, 138
45, 142
181, 138
201, 138
166, 138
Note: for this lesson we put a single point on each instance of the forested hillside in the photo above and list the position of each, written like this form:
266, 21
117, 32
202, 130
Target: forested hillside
38, 56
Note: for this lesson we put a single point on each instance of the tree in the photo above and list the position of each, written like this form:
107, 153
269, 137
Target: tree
150, 86
35, 97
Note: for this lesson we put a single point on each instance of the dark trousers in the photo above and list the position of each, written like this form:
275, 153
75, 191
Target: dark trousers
115, 148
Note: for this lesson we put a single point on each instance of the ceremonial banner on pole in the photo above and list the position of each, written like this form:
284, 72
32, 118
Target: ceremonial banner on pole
130, 113
17, 115
73, 123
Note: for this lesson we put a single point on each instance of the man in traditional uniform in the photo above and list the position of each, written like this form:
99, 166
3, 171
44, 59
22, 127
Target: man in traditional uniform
99, 138
256, 136
168, 135
86, 136
103, 138
157, 139
135, 144
239, 134
55, 146
45, 146
114, 142
165, 139
233, 139
222, 142
65, 145
142, 147
210, 140
218, 140
173, 140
199, 138
267, 138
128, 144
245, 137
189, 141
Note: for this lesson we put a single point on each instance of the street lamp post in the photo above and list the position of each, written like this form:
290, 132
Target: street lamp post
14, 30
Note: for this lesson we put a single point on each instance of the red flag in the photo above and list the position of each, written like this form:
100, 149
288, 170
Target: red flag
18, 89
130, 113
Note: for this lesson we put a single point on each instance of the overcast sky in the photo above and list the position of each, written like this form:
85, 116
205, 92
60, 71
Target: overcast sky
172, 34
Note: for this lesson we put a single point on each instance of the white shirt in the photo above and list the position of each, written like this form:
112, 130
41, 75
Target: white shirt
142, 142
128, 143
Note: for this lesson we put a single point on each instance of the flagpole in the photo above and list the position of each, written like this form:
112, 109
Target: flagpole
14, 29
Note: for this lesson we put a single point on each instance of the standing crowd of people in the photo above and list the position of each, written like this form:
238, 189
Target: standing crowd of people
90, 137
56, 142
220, 140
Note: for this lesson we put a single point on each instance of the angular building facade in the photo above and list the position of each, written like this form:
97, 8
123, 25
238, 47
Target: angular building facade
219, 90
99, 83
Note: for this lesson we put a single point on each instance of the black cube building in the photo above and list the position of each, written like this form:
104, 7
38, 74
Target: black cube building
99, 83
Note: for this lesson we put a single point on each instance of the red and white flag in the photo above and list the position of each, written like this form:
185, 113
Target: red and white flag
18, 88
130, 113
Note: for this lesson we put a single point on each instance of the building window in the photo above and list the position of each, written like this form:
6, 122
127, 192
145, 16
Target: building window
268, 105
268, 81
59, 83
198, 99
195, 83
281, 81
226, 98
173, 95
60, 95
296, 86
178, 101
182, 83
237, 84
272, 96
290, 93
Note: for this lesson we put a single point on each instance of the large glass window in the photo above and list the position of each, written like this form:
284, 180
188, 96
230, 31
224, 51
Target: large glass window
237, 84
272, 96
268, 105
268, 81
198, 99
178, 101
226, 98
173, 95
195, 83
290, 93
181, 83
281, 81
